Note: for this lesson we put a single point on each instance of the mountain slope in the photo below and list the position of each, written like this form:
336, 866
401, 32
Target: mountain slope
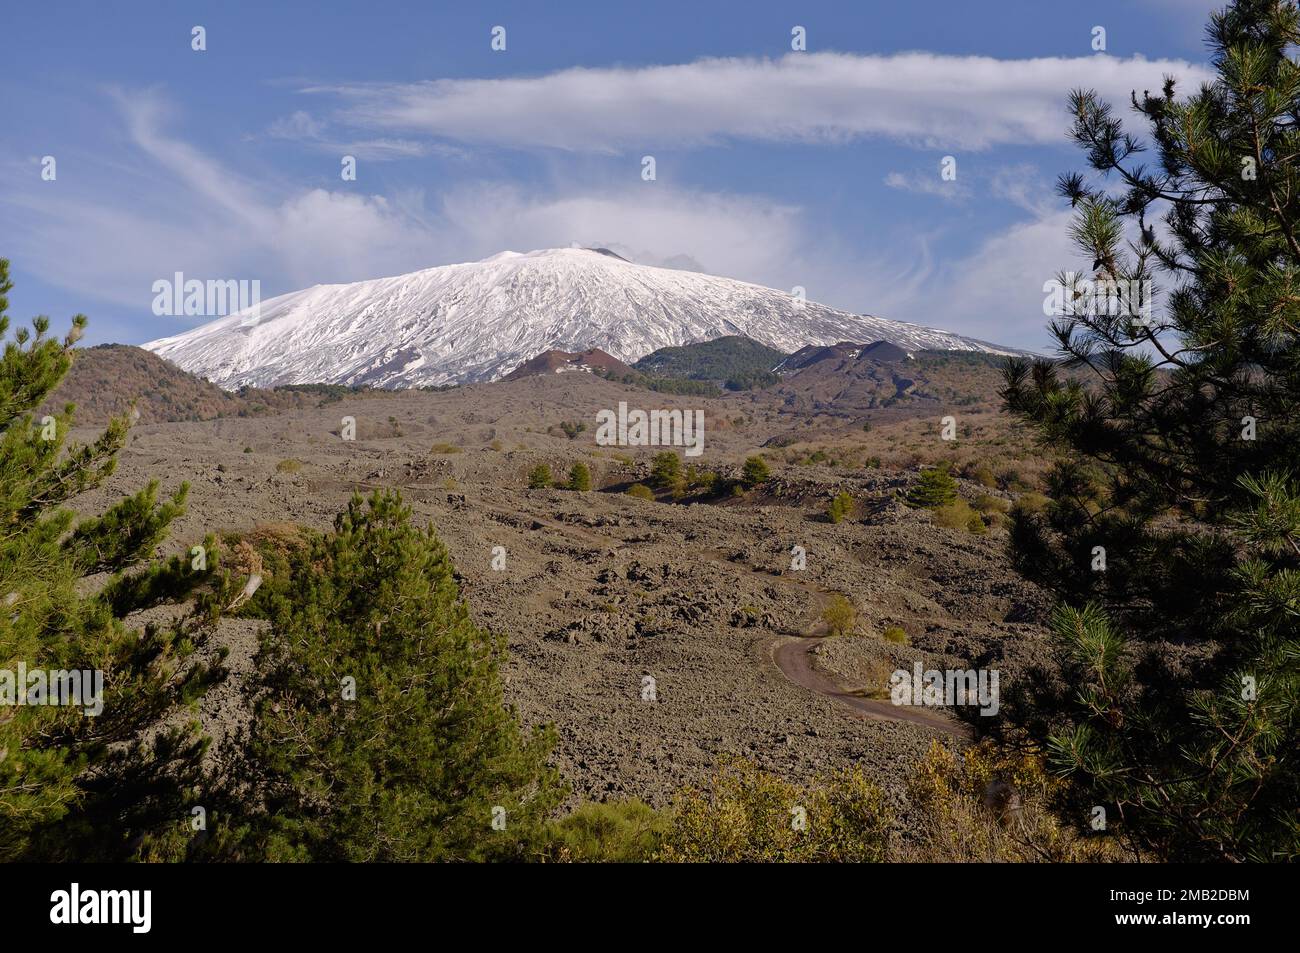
562, 362
478, 321
109, 379
716, 360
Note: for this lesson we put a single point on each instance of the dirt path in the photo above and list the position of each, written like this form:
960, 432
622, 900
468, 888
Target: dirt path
793, 655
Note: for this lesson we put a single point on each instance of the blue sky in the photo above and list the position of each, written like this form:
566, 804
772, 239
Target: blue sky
818, 168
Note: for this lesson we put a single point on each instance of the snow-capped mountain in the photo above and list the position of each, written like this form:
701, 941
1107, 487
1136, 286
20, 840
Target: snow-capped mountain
478, 321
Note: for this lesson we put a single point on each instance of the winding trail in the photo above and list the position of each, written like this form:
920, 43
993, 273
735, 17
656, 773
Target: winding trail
793, 656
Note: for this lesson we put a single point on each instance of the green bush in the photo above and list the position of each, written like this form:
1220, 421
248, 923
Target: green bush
539, 477
754, 472
580, 477
666, 470
895, 634
982, 474
611, 832
640, 491
959, 515
1030, 503
840, 615
841, 507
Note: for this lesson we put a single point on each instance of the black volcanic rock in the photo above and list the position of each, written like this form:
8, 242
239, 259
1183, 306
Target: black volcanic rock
884, 352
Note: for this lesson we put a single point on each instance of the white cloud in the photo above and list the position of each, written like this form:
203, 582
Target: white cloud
928, 183
305, 129
300, 125
927, 99
996, 292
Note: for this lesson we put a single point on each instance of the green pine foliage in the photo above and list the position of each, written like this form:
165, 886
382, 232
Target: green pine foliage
666, 470
935, 488
74, 785
580, 476
723, 359
539, 477
381, 733
1172, 524
840, 508
754, 472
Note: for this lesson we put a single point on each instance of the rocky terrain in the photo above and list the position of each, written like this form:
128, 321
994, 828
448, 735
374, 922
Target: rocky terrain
601, 590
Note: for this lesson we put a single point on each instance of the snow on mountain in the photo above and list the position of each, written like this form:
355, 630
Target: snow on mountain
478, 321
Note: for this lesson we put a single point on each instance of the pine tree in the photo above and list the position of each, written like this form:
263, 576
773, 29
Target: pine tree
76, 783
1173, 528
841, 507
539, 477
580, 477
666, 470
934, 488
382, 733
754, 472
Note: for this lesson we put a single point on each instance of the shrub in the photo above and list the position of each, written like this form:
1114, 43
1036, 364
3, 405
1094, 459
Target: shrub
745, 815
444, 448
612, 832
840, 615
754, 472
539, 477
1011, 480
580, 477
572, 428
994, 806
1030, 503
982, 474
895, 634
704, 480
288, 466
640, 491
959, 515
841, 507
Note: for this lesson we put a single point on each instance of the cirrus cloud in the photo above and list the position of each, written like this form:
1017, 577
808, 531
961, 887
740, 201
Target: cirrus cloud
924, 99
